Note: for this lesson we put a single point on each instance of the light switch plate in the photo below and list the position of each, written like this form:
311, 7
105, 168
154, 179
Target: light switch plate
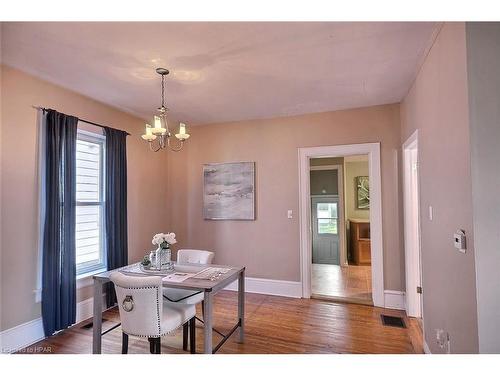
431, 213
460, 241
289, 214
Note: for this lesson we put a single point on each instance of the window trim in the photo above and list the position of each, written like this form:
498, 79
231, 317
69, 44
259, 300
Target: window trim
87, 269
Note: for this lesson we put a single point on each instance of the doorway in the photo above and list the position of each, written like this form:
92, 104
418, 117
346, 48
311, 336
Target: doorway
413, 260
372, 150
340, 226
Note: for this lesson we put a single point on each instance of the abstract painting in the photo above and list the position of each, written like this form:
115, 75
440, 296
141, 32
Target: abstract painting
229, 191
362, 193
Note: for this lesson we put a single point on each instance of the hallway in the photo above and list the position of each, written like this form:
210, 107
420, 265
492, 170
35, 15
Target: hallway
353, 282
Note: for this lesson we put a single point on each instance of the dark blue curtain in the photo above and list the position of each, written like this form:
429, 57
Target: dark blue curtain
58, 268
116, 204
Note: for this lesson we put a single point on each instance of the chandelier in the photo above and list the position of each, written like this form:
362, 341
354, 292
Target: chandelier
160, 131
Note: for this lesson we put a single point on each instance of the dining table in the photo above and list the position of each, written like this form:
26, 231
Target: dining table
209, 287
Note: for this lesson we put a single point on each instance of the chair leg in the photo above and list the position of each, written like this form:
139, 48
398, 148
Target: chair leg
124, 343
153, 344
185, 336
158, 345
192, 335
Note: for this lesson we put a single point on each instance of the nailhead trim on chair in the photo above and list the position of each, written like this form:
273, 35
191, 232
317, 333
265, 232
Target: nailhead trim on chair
157, 313
158, 310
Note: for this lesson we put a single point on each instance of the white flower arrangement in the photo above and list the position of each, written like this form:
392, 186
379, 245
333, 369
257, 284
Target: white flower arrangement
164, 240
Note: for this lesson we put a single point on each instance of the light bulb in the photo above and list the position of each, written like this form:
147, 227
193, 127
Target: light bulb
158, 129
182, 135
149, 136
157, 122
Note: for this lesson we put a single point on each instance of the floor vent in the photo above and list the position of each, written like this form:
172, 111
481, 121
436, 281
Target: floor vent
392, 321
90, 325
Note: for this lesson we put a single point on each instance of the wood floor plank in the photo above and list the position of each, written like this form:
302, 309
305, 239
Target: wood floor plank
353, 282
273, 325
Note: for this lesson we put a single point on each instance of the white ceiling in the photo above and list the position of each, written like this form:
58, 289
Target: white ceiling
224, 71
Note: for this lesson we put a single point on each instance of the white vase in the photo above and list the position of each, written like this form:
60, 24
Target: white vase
163, 256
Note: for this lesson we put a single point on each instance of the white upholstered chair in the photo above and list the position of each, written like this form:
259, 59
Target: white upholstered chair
187, 256
185, 296
144, 313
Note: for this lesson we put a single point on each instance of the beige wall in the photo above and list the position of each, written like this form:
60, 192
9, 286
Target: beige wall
353, 169
437, 105
1, 168
483, 54
269, 246
147, 177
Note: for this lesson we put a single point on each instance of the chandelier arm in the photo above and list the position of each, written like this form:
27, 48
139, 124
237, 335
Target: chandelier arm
151, 147
175, 149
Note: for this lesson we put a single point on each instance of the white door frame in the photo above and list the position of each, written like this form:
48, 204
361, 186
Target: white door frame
412, 226
342, 231
373, 151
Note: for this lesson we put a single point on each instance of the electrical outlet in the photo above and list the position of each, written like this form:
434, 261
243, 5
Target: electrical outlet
440, 337
443, 340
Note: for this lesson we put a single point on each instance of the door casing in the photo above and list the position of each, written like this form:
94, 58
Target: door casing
373, 152
413, 262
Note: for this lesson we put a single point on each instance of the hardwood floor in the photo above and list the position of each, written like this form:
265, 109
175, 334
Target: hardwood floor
351, 282
273, 325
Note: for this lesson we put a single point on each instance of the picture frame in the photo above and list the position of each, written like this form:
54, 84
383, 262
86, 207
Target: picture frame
362, 193
229, 191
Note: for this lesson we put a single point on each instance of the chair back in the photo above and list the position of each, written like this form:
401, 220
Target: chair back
140, 302
195, 256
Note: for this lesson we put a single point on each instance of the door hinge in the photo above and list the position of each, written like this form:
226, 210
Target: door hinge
419, 289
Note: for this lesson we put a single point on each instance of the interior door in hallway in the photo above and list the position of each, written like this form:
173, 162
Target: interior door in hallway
325, 224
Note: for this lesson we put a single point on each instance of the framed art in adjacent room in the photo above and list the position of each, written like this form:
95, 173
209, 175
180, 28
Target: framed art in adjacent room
362, 193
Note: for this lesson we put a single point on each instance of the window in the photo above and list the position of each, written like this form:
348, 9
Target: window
89, 233
327, 218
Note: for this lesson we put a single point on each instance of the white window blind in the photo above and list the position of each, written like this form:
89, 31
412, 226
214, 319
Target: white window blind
90, 247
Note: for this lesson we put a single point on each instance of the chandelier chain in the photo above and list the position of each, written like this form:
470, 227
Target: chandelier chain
162, 91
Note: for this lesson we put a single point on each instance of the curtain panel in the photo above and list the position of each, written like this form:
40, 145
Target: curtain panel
58, 256
115, 204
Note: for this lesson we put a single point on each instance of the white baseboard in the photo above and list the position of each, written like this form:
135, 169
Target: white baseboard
272, 287
20, 336
426, 348
394, 299
84, 310
28, 333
